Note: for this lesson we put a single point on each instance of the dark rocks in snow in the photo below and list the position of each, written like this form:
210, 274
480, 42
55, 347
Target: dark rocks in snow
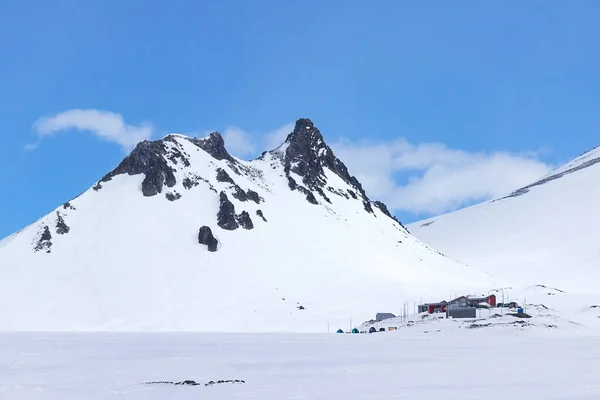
310, 197
223, 176
147, 158
174, 154
226, 217
323, 195
68, 206
214, 145
292, 183
383, 208
352, 194
301, 308
61, 226
239, 194
252, 195
44, 242
260, 214
245, 221
307, 155
194, 383
97, 186
206, 237
368, 207
189, 183
172, 196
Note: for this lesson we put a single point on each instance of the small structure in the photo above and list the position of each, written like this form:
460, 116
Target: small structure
462, 312
433, 307
462, 302
384, 315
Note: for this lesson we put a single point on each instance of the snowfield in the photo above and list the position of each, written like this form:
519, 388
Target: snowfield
450, 365
542, 233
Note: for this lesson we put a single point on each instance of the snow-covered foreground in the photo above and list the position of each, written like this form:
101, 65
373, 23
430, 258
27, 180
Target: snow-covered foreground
409, 364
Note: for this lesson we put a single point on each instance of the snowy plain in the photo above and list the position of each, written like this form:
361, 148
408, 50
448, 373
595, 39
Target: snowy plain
410, 364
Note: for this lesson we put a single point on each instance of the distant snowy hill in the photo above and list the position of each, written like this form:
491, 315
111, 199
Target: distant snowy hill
183, 236
543, 233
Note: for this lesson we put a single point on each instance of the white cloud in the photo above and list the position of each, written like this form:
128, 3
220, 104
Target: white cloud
104, 124
241, 143
276, 137
438, 179
238, 142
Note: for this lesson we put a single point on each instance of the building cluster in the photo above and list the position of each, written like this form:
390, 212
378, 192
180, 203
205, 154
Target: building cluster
460, 307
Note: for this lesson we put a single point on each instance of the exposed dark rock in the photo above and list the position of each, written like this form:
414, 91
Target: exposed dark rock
172, 196
206, 237
226, 217
245, 221
239, 194
352, 194
310, 197
68, 206
301, 308
252, 195
97, 186
215, 146
323, 195
385, 210
147, 158
61, 226
174, 154
292, 183
307, 154
44, 242
223, 176
368, 207
194, 383
192, 180
260, 214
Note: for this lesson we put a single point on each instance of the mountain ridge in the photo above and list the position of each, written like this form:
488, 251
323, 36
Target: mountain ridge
182, 236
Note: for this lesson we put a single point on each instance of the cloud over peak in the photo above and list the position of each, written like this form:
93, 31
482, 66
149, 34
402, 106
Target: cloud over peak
104, 124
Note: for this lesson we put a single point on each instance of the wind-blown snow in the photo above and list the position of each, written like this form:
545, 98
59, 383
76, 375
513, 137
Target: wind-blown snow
132, 263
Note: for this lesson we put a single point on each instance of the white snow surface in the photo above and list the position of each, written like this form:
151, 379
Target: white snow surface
471, 364
133, 263
546, 235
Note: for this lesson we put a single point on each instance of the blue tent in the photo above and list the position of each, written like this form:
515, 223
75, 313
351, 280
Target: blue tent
354, 330
340, 331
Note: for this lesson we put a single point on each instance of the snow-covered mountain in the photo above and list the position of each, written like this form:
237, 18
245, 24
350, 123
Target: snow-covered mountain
183, 236
543, 233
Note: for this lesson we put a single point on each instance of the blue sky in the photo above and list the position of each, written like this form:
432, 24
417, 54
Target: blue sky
435, 105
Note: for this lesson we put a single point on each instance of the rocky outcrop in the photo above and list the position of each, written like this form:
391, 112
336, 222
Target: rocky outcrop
245, 221
148, 158
214, 145
260, 214
61, 227
205, 236
44, 242
68, 206
307, 155
226, 217
252, 195
172, 196
223, 176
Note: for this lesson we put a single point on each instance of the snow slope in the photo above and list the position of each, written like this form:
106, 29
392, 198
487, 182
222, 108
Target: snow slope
126, 254
544, 233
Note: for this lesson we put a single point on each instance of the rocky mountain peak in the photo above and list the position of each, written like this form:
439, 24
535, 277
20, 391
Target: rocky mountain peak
213, 145
307, 154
